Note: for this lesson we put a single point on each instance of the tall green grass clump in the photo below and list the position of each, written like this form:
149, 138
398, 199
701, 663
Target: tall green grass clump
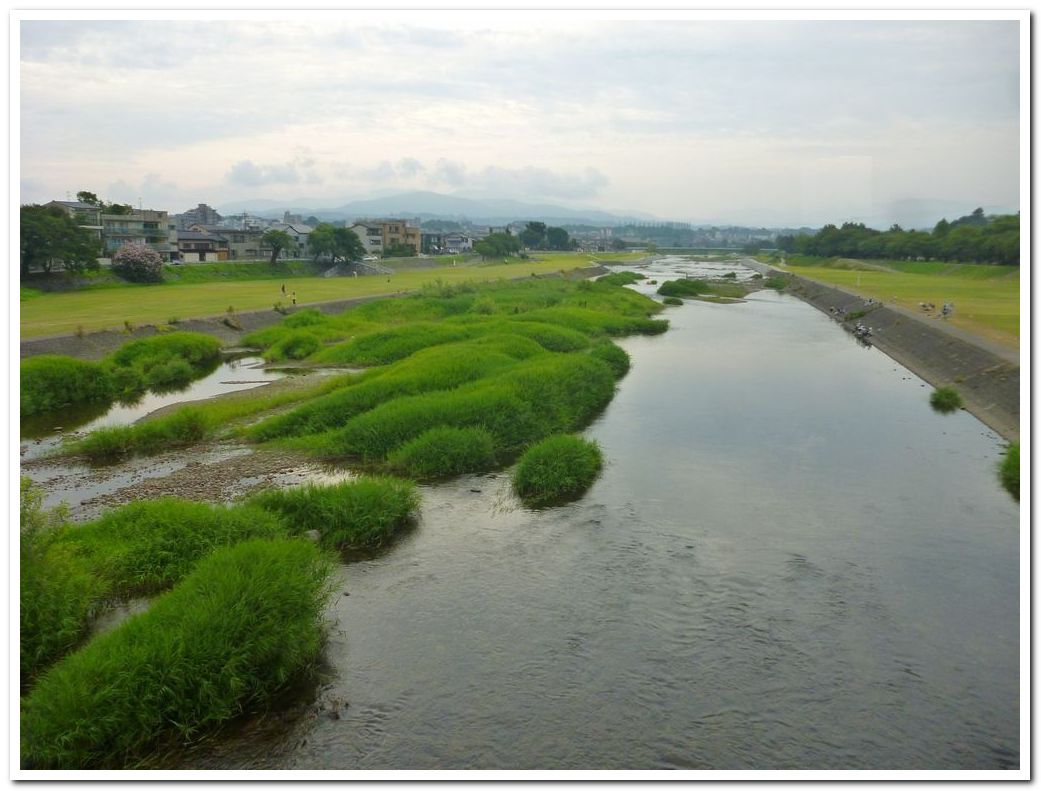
688, 287
672, 301
622, 278
295, 345
776, 282
443, 452
58, 593
557, 469
1009, 470
615, 356
148, 355
596, 322
51, 381
390, 345
945, 399
359, 514
243, 625
537, 397
438, 368
149, 545
186, 426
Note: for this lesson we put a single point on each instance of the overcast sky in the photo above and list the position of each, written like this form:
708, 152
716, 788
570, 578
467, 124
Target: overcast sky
752, 122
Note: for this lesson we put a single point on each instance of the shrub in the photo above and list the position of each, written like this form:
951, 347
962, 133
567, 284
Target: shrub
557, 469
945, 399
776, 282
688, 287
1009, 470
193, 347
672, 301
241, 626
358, 514
731, 275
445, 451
138, 263
173, 373
614, 356
49, 382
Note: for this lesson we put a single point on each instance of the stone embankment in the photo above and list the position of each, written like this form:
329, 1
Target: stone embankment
986, 378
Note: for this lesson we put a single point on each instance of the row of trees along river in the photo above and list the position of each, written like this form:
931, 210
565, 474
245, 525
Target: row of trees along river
975, 238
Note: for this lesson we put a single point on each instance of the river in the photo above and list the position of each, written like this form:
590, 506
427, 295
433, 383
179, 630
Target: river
789, 562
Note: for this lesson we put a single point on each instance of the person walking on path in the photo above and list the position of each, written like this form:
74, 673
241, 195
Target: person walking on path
283, 289
294, 297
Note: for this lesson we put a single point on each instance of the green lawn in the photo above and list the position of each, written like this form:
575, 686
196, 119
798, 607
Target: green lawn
96, 309
986, 298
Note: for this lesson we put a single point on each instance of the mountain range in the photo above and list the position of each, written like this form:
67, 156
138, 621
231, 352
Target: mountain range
433, 205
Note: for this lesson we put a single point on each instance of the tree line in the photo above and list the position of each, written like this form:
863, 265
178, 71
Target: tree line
974, 238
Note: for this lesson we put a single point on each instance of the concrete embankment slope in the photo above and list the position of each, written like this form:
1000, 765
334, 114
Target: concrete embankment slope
987, 379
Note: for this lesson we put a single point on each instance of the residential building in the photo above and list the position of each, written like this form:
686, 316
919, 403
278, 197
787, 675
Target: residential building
149, 227
454, 243
200, 244
200, 215
394, 231
299, 233
86, 215
371, 237
433, 242
243, 243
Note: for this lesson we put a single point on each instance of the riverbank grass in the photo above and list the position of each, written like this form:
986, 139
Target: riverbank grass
247, 620
1008, 471
557, 469
356, 515
945, 400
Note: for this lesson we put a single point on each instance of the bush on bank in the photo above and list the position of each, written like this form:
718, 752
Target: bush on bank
243, 624
359, 514
557, 469
50, 381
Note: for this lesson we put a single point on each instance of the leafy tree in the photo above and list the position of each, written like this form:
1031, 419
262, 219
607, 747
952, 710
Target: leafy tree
118, 208
138, 263
49, 236
618, 244
534, 236
498, 245
343, 243
277, 241
557, 239
88, 197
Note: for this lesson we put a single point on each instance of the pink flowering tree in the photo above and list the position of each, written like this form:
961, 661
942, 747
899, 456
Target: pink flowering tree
138, 263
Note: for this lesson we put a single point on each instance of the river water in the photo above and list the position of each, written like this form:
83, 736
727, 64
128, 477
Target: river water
789, 562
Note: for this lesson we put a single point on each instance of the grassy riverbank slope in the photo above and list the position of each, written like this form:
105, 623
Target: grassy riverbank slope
102, 308
986, 298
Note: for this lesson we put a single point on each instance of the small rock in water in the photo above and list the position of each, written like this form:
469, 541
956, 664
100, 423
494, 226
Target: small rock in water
313, 535
476, 491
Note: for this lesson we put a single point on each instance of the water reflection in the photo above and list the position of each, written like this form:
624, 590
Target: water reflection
789, 562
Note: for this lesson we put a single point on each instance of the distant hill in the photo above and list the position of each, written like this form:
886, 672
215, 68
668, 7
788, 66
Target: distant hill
432, 205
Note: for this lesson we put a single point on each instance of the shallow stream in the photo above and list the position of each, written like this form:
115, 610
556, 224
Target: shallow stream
789, 562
